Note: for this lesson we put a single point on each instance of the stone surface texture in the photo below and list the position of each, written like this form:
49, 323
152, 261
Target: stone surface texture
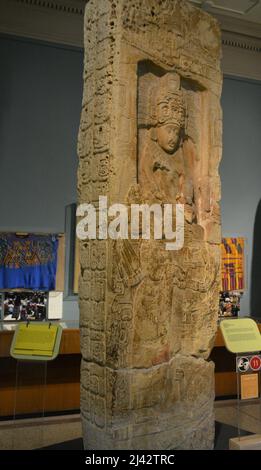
150, 132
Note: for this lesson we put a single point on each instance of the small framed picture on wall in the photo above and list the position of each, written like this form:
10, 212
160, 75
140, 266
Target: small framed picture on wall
24, 305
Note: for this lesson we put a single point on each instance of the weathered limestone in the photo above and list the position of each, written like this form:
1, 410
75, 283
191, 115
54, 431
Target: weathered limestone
150, 132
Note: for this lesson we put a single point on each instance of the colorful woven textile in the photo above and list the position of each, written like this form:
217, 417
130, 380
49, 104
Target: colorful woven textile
232, 264
28, 262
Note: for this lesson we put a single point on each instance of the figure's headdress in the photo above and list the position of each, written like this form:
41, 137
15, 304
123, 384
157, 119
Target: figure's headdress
162, 103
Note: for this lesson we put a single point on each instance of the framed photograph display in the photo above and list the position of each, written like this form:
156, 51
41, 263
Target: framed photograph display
24, 305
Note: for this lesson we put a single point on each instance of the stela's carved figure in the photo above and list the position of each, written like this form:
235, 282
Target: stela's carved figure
150, 133
168, 155
162, 161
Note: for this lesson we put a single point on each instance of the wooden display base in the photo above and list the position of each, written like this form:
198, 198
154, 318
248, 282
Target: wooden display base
252, 442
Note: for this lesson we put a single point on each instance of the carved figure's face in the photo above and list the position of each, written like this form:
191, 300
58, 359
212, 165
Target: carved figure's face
168, 137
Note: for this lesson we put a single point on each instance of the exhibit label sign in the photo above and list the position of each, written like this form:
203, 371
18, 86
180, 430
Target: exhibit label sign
249, 386
36, 341
241, 335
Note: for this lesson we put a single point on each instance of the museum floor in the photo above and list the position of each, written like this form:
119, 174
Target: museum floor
64, 432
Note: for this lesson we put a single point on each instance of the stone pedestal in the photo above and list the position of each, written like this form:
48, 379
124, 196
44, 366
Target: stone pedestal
150, 133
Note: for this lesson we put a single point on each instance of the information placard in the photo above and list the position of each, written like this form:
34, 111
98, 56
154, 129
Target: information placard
36, 341
241, 335
249, 386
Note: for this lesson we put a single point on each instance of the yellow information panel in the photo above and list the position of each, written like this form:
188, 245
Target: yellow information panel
241, 335
36, 341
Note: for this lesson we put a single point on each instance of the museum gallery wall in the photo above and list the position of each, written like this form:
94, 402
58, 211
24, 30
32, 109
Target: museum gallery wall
149, 316
39, 164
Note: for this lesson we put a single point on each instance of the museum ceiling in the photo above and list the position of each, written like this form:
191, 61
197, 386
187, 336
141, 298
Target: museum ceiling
61, 22
245, 10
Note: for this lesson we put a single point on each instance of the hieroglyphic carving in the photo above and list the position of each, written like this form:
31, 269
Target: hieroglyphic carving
93, 393
150, 132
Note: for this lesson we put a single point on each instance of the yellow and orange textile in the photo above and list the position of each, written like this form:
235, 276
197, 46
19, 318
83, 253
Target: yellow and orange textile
232, 264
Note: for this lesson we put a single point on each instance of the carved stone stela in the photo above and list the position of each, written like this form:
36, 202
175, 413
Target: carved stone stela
150, 133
